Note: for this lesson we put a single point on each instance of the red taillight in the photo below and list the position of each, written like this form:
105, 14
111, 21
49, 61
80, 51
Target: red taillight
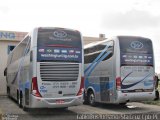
81, 90
118, 83
35, 91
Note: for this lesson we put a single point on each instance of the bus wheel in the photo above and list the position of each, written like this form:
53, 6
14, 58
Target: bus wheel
91, 98
20, 99
157, 95
63, 108
85, 97
25, 109
122, 104
8, 92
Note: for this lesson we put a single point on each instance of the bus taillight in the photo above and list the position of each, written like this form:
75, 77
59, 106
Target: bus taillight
118, 83
81, 90
35, 91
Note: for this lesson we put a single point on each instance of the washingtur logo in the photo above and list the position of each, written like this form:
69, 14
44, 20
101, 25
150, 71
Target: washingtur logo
136, 45
60, 34
49, 50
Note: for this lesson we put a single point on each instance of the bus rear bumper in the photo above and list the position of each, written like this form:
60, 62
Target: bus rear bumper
135, 97
37, 102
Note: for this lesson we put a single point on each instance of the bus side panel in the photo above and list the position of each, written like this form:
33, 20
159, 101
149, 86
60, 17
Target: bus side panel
26, 81
102, 81
12, 79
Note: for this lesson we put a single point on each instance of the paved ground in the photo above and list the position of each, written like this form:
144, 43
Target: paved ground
10, 109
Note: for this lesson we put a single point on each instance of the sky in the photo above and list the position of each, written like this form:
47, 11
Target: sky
91, 17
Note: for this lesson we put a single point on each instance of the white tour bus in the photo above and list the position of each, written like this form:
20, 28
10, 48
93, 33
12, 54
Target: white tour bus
119, 70
45, 70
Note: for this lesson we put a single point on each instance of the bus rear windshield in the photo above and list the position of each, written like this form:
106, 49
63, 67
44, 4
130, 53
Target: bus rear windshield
136, 51
59, 45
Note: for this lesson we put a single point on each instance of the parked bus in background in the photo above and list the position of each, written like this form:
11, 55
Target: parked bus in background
119, 70
45, 70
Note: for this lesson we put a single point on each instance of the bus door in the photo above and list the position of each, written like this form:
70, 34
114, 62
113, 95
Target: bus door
104, 91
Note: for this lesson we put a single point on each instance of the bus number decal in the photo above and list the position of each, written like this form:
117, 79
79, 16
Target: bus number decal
43, 89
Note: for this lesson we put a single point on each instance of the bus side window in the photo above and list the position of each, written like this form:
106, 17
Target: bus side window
20, 50
92, 53
89, 57
110, 45
28, 46
10, 48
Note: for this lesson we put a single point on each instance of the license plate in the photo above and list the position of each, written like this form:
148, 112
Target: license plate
59, 101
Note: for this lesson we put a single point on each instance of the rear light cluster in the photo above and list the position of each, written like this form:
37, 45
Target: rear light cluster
118, 83
81, 90
35, 91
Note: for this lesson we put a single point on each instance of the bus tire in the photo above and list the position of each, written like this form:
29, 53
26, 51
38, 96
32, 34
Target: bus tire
20, 99
122, 104
25, 109
85, 99
157, 95
63, 108
8, 92
91, 98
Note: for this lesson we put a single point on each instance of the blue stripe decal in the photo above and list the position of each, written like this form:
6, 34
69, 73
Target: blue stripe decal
133, 84
92, 66
18, 73
99, 56
109, 85
23, 86
127, 76
27, 84
96, 63
96, 86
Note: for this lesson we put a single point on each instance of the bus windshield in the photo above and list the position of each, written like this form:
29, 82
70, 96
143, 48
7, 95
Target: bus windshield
136, 51
59, 45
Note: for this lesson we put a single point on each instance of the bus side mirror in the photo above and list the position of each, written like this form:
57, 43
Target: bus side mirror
5, 72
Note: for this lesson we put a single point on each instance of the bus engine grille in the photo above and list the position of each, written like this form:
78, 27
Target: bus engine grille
59, 72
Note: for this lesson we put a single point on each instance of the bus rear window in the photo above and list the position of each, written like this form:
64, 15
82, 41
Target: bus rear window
59, 45
136, 51
135, 45
59, 38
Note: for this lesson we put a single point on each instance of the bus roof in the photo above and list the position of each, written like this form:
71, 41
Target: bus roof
119, 36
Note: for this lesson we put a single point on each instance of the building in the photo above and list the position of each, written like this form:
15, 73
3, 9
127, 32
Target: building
9, 39
88, 40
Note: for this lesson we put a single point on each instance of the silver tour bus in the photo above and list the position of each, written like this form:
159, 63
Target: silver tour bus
119, 70
45, 70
